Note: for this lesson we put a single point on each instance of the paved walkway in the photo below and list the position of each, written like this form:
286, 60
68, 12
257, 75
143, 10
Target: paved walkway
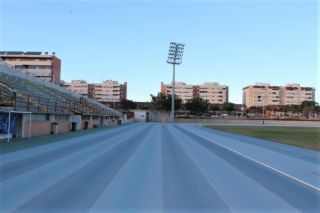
160, 168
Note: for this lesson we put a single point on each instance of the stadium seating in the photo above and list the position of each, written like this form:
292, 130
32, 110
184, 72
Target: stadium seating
25, 92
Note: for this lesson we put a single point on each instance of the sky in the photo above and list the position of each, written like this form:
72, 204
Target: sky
232, 42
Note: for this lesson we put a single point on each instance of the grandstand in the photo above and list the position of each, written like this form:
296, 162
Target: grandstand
53, 109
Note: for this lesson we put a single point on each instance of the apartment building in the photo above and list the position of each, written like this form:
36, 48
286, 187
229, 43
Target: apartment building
182, 90
42, 65
263, 94
108, 91
294, 94
78, 86
211, 91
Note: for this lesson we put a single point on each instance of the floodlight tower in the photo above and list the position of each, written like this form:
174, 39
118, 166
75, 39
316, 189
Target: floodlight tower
174, 57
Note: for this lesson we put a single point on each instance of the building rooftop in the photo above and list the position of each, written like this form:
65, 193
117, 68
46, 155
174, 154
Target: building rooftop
25, 54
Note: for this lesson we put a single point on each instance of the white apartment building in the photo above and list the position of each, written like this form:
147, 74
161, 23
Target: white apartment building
78, 86
108, 91
294, 94
263, 94
182, 90
213, 92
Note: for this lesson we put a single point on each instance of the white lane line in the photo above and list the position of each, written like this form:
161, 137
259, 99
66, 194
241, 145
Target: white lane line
260, 163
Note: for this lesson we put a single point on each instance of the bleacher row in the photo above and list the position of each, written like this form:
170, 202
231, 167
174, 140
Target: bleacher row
24, 92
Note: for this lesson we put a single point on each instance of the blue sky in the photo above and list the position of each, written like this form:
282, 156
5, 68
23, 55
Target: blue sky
236, 43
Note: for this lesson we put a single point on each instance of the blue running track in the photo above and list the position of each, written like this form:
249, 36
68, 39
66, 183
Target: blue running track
160, 168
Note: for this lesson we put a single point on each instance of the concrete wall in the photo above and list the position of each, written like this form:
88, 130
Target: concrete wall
158, 116
110, 122
107, 122
83, 123
140, 115
76, 119
95, 122
128, 121
37, 128
64, 126
45, 127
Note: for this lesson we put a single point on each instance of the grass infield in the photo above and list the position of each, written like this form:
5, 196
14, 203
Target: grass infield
306, 137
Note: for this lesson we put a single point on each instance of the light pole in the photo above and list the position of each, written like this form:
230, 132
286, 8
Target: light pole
174, 57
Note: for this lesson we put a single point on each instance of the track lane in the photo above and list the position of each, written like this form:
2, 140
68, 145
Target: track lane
17, 167
304, 154
153, 168
78, 191
18, 190
300, 163
249, 196
184, 186
302, 197
138, 185
28, 152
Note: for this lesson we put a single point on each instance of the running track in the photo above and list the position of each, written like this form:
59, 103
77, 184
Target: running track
160, 168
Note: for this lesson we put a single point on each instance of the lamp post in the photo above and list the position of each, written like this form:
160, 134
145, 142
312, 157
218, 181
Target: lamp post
174, 57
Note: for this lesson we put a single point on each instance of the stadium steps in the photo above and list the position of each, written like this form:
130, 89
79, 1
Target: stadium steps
35, 90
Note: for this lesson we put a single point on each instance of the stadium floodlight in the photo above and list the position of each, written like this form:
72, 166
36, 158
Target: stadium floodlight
174, 57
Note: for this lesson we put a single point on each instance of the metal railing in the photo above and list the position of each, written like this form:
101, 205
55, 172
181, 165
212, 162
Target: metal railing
35, 103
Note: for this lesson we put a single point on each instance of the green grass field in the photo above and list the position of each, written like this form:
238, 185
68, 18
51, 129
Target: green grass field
307, 137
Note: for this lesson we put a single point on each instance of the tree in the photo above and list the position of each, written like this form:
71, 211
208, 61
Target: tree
254, 109
284, 108
271, 108
127, 104
228, 106
215, 107
308, 107
143, 105
163, 102
197, 106
294, 108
